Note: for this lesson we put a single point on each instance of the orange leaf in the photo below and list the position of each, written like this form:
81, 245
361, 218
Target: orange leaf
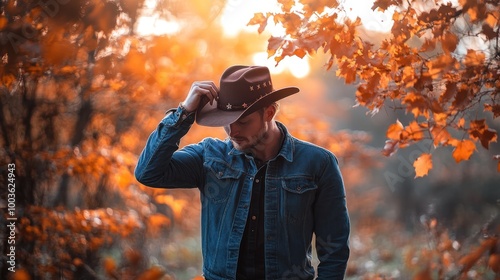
440, 135
287, 5
461, 123
491, 20
441, 65
260, 19
479, 131
463, 150
391, 146
417, 104
422, 165
489, 32
413, 132
273, 44
474, 58
3, 22
383, 5
21, 274
495, 109
394, 130
494, 262
449, 42
154, 273
109, 265
497, 157
429, 45
424, 274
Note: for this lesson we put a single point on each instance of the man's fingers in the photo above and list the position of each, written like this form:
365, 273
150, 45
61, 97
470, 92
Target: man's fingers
201, 93
209, 89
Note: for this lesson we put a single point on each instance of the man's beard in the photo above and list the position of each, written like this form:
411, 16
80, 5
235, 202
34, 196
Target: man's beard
260, 139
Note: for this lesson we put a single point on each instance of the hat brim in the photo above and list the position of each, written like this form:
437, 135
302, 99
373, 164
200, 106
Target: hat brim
210, 115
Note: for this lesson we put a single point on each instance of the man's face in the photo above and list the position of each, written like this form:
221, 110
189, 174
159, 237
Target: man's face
248, 132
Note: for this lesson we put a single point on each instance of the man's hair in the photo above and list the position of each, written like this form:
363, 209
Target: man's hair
276, 106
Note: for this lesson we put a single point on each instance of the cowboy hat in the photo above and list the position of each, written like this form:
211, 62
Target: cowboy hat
243, 90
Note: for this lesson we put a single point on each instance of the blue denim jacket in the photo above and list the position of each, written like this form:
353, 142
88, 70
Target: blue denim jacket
304, 195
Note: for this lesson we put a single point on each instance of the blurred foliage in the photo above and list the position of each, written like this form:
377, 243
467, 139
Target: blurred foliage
440, 62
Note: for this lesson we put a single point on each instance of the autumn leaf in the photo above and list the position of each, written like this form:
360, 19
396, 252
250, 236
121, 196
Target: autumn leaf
390, 147
3, 22
259, 19
273, 44
491, 20
20, 274
474, 58
394, 130
440, 135
489, 32
449, 42
109, 265
417, 104
286, 5
463, 150
495, 109
450, 91
494, 262
479, 131
383, 4
154, 273
413, 132
422, 165
428, 45
497, 157
424, 274
441, 64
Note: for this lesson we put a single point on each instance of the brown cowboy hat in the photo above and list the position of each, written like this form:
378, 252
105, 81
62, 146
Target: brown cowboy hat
243, 90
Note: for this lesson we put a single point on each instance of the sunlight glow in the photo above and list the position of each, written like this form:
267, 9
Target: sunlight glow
150, 23
237, 14
371, 20
297, 67
153, 25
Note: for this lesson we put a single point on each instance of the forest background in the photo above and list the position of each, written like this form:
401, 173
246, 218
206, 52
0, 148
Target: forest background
406, 96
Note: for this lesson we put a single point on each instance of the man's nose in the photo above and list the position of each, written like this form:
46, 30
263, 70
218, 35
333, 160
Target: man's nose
231, 130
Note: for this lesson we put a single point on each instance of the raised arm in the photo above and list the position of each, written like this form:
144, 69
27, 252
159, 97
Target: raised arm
161, 164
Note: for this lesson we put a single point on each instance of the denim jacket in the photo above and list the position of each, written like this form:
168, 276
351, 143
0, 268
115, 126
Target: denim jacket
304, 195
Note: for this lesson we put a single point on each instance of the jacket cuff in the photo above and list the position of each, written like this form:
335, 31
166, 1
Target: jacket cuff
179, 116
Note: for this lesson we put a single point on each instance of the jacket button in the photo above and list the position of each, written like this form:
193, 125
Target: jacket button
299, 188
220, 173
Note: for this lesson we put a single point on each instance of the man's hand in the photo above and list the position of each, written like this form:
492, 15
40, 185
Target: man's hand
205, 90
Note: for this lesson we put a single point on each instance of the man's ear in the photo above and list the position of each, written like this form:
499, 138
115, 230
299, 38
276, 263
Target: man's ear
269, 113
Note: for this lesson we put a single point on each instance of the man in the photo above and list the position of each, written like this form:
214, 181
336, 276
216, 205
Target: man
263, 192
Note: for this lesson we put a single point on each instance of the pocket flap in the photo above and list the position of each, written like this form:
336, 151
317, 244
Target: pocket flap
299, 185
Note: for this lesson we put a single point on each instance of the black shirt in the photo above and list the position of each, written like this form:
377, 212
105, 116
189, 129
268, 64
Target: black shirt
251, 259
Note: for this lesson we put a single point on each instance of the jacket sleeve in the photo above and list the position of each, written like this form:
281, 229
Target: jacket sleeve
161, 164
332, 226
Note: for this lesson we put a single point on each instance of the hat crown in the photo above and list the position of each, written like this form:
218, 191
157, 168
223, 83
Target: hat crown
241, 86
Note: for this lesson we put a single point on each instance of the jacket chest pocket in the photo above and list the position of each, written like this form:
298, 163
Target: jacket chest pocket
297, 195
221, 180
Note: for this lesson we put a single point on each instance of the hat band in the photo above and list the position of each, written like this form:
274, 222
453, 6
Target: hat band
232, 107
264, 89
